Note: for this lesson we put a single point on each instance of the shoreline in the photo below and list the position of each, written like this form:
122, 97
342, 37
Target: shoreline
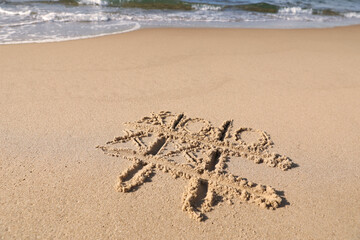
138, 27
298, 88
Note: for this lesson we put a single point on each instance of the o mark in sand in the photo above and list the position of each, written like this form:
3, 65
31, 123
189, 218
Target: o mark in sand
191, 148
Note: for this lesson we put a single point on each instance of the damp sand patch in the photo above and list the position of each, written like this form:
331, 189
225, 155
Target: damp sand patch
193, 149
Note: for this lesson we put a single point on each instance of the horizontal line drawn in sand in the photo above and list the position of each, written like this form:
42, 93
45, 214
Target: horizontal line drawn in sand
193, 149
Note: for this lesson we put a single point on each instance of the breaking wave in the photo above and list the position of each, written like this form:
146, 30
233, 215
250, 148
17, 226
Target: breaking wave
46, 20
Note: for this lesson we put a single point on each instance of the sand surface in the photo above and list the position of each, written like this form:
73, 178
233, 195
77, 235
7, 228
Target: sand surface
58, 101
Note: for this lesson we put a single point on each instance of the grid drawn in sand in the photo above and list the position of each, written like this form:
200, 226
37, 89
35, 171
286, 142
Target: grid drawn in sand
167, 142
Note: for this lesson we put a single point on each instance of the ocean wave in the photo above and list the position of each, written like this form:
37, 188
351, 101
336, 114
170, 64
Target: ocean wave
352, 15
74, 17
261, 7
206, 7
157, 5
21, 23
126, 27
14, 13
37, 20
294, 10
93, 2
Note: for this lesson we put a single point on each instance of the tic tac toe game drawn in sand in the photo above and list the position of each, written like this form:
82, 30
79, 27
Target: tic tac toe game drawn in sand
166, 142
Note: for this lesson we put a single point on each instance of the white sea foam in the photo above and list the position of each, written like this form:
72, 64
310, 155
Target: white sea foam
38, 22
74, 17
352, 15
294, 10
20, 23
205, 7
93, 2
14, 13
62, 38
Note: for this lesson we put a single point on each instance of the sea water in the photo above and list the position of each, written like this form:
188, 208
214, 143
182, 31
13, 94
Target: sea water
57, 20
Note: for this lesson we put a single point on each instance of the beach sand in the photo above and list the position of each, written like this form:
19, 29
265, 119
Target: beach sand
58, 101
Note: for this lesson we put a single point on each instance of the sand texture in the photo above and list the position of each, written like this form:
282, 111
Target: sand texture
207, 134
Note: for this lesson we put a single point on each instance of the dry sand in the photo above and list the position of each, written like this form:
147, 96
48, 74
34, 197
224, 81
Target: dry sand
58, 101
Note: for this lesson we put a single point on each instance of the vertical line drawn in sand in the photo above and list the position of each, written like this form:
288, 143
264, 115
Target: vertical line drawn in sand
191, 148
